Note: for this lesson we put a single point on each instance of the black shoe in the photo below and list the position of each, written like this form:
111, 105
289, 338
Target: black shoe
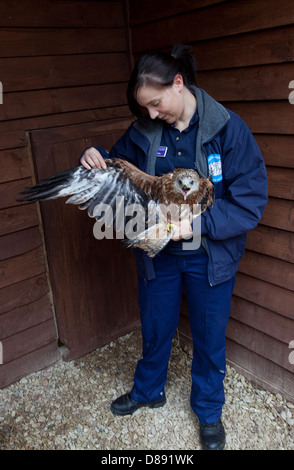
124, 405
212, 436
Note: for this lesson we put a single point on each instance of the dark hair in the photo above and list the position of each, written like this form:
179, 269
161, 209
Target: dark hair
159, 69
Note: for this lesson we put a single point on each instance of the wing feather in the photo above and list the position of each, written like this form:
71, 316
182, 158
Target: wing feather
87, 188
143, 181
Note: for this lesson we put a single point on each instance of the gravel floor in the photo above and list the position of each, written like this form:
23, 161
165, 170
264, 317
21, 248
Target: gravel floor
67, 406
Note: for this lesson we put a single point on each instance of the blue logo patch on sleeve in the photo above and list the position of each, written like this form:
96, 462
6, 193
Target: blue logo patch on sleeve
215, 167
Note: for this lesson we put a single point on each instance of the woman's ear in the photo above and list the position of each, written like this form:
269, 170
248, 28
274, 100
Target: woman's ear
179, 82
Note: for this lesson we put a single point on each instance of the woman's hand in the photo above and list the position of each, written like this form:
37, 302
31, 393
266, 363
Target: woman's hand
93, 159
183, 229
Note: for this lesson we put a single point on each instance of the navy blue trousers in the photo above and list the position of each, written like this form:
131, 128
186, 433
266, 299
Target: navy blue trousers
209, 310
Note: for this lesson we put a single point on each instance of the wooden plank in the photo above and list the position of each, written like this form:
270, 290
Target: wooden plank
20, 242
260, 370
80, 131
233, 18
23, 293
280, 182
257, 48
146, 10
9, 192
25, 317
251, 49
27, 42
22, 267
279, 214
262, 319
25, 365
260, 343
11, 139
266, 117
49, 13
273, 242
266, 268
66, 119
17, 138
28, 340
261, 293
18, 218
266, 82
35, 73
45, 102
277, 150
17, 165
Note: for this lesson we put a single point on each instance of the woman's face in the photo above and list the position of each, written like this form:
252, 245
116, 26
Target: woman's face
163, 103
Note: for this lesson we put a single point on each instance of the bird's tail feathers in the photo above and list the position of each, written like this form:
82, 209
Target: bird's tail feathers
152, 240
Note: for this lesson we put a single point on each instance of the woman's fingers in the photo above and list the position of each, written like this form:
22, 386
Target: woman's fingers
93, 159
183, 229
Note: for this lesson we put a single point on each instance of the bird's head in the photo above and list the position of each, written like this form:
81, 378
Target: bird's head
186, 183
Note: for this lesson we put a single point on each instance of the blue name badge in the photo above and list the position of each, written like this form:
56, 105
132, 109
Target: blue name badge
215, 167
161, 152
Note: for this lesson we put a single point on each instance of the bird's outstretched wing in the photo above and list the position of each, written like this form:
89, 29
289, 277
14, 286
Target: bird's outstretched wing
124, 191
121, 183
88, 188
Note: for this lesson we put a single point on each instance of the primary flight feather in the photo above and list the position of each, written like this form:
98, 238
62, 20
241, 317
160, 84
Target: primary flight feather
159, 196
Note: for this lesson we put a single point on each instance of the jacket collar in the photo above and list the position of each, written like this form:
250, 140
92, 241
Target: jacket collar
212, 115
212, 119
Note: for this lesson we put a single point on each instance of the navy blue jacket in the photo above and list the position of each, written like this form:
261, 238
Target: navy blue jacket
227, 151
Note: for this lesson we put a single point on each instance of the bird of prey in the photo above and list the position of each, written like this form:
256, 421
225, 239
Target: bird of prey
162, 199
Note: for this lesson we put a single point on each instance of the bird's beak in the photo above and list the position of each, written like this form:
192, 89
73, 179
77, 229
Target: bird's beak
185, 190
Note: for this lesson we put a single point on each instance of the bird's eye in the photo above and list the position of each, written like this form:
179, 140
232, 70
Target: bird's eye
180, 182
191, 182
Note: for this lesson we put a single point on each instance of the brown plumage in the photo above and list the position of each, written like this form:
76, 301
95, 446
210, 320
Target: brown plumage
163, 198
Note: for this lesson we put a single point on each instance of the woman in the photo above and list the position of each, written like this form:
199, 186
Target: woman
181, 126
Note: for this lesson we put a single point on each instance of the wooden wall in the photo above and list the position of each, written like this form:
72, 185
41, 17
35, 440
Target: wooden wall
61, 63
245, 54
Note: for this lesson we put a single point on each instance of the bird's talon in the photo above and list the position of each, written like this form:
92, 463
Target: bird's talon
169, 227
